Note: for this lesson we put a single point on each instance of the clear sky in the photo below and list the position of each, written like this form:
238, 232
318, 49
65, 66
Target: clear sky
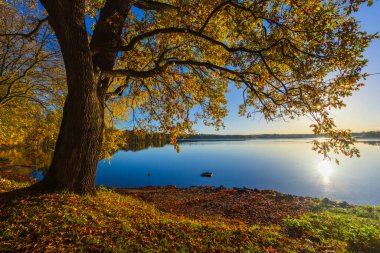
363, 108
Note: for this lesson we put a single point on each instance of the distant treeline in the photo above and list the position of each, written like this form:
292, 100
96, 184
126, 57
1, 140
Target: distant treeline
237, 137
370, 134
217, 137
136, 141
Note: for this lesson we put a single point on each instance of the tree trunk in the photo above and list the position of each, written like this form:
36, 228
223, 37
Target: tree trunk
77, 150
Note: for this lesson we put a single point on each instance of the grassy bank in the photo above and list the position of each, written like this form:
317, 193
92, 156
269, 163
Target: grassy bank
111, 222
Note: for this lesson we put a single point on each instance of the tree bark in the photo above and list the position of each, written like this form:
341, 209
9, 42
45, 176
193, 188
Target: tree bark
77, 150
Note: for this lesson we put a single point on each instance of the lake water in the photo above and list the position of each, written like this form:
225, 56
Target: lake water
288, 166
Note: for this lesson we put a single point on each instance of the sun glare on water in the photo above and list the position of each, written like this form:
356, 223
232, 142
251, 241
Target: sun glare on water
325, 169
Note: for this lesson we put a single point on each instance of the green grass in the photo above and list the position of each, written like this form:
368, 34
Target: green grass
358, 227
110, 222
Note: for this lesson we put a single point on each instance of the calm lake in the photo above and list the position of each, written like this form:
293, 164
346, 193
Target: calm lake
288, 166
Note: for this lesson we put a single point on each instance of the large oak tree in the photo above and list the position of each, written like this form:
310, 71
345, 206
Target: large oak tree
169, 63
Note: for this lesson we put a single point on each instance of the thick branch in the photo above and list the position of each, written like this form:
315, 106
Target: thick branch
107, 34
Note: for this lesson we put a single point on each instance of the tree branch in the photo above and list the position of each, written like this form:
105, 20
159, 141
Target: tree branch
216, 9
159, 69
118, 91
154, 5
107, 34
175, 30
31, 33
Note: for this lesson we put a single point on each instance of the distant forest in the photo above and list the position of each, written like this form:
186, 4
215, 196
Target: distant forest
140, 141
218, 137
371, 134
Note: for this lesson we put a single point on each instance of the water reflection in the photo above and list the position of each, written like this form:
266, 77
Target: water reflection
21, 163
325, 169
37, 157
34, 160
371, 142
288, 166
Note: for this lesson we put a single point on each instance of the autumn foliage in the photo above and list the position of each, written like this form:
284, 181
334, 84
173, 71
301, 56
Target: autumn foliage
176, 59
164, 66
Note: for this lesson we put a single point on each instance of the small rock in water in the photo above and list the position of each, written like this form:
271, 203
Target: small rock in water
206, 174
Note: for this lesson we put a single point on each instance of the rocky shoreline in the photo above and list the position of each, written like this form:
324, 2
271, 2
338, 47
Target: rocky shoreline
250, 206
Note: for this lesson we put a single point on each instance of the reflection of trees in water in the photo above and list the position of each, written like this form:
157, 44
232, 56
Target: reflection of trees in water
136, 142
24, 163
371, 134
372, 143
39, 157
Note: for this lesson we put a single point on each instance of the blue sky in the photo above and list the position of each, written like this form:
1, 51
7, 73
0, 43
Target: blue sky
363, 108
